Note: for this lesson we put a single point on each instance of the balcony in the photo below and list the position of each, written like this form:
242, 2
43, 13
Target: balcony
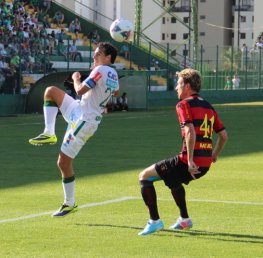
181, 9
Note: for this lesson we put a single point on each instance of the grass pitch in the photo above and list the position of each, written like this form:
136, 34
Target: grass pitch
226, 205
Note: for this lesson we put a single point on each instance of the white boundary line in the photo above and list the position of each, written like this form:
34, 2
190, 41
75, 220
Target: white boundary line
124, 198
81, 207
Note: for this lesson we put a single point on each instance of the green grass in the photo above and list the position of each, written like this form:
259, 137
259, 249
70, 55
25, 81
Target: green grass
226, 205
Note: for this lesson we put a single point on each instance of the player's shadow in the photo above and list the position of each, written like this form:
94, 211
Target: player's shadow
220, 236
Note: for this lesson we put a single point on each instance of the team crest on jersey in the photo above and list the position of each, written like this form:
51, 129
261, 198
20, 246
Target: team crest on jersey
69, 138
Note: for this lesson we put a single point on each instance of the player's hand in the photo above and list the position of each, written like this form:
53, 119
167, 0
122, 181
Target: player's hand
214, 158
76, 76
193, 169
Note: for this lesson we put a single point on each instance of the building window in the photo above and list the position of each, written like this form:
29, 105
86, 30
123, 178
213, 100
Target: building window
253, 18
185, 36
163, 20
202, 34
185, 3
163, 36
173, 20
202, 17
186, 19
242, 35
163, 3
243, 18
202, 1
172, 3
173, 36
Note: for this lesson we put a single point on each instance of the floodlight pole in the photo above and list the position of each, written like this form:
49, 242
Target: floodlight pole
138, 22
194, 7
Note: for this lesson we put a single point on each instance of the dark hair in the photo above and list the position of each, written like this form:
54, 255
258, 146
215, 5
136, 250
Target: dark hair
192, 77
108, 49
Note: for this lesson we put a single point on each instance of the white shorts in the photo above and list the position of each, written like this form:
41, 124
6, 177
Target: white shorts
78, 131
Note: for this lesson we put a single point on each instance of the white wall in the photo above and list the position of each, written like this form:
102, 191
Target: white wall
258, 21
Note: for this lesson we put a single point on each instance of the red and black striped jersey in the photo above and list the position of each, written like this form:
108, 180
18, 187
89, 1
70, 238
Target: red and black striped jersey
206, 121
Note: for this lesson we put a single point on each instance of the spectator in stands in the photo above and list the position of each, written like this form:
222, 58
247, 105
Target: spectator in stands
46, 5
45, 20
95, 37
77, 27
228, 85
51, 42
58, 18
15, 60
235, 82
29, 62
61, 35
122, 102
71, 27
34, 17
35, 4
255, 57
73, 52
62, 50
4, 66
125, 51
260, 41
244, 59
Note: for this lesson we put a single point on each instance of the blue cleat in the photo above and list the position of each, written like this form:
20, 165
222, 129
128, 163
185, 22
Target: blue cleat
182, 224
151, 228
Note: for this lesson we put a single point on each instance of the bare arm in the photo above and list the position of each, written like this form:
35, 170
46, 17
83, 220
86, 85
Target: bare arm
219, 145
190, 138
79, 87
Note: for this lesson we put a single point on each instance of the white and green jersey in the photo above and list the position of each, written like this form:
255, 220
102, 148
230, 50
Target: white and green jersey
103, 82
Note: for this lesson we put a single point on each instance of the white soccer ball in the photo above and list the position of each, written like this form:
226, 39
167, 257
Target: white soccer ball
122, 30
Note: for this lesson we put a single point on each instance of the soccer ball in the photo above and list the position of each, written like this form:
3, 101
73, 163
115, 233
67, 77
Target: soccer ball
121, 30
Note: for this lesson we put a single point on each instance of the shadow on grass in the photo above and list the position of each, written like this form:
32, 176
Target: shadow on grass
123, 142
226, 237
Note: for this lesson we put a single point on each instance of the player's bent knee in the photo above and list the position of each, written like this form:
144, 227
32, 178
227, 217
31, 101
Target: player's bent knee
51, 91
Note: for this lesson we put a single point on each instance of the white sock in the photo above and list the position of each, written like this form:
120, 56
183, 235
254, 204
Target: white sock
50, 114
68, 189
154, 221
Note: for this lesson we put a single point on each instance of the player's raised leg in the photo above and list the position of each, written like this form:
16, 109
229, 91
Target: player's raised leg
53, 98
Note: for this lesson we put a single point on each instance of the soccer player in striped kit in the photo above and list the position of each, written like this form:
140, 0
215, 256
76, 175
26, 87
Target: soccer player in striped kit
198, 121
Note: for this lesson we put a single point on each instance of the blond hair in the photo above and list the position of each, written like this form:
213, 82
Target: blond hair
192, 77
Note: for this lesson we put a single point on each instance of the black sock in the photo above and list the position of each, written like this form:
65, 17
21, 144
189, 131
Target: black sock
149, 197
179, 197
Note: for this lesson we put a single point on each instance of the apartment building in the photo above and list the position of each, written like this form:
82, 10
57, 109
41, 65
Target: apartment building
222, 23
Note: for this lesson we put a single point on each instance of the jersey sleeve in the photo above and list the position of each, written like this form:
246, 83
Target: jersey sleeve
218, 125
93, 78
184, 113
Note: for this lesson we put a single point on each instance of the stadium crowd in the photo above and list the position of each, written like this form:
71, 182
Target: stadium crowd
27, 40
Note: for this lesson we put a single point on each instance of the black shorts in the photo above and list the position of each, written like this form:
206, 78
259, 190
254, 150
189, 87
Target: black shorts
174, 172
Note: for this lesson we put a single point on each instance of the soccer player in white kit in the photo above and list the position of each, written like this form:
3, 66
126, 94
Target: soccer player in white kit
83, 116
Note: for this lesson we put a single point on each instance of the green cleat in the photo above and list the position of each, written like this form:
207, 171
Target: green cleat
43, 139
65, 210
